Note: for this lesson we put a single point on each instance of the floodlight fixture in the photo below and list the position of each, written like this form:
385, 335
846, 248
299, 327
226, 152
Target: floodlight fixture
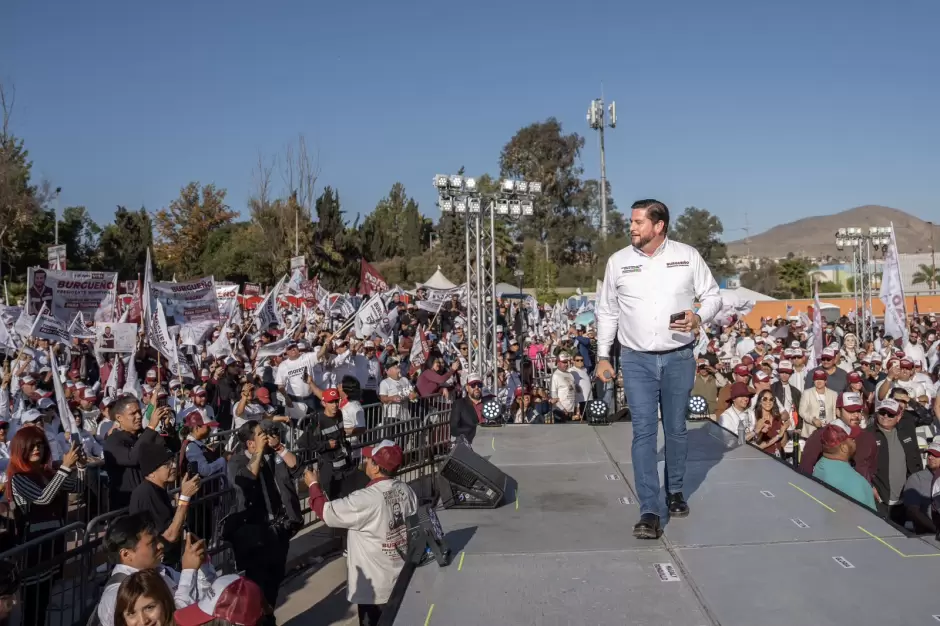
441, 181
456, 181
840, 243
515, 209
535, 187
507, 185
460, 205
447, 205
840, 233
873, 231
470, 184
521, 186
474, 205
527, 208
502, 207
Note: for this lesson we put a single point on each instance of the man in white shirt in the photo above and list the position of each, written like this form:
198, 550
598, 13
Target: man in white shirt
563, 391
376, 518
291, 381
396, 393
133, 543
646, 302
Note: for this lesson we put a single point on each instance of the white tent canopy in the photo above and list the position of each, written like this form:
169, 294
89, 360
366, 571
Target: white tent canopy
743, 294
437, 281
506, 288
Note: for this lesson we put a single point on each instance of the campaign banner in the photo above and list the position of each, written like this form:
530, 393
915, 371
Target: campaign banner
187, 302
115, 337
369, 316
227, 295
66, 294
252, 289
370, 281
436, 297
48, 327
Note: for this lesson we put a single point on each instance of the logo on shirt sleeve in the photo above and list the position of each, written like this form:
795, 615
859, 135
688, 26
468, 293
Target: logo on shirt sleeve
671, 264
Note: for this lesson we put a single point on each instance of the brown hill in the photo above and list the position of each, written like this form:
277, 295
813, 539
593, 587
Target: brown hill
815, 236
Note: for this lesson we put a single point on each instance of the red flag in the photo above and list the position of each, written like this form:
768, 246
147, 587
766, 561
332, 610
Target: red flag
370, 280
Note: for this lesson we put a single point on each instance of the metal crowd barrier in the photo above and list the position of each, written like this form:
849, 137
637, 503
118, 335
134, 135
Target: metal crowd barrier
64, 571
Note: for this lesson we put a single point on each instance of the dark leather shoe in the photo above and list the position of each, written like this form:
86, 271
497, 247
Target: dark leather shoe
677, 505
648, 527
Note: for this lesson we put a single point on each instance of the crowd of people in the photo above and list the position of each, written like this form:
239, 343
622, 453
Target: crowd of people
861, 417
282, 413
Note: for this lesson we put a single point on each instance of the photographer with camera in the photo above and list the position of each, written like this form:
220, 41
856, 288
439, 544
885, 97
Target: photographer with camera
259, 530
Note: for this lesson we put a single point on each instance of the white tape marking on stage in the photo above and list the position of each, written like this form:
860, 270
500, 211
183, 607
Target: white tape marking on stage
936, 617
841, 561
768, 494
624, 500
667, 572
799, 523
613, 476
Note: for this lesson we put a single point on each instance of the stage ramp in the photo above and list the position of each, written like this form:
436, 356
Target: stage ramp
762, 546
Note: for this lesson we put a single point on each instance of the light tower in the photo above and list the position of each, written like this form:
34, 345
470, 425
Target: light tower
596, 120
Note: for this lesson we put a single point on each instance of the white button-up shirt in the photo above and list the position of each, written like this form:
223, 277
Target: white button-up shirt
640, 292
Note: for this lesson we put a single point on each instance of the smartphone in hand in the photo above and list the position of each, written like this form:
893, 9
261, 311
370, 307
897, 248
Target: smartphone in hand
675, 317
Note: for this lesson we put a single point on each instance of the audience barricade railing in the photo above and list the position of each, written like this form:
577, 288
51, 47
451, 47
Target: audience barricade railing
75, 556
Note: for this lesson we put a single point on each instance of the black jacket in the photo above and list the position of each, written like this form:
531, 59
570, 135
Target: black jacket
463, 419
121, 463
795, 394
908, 436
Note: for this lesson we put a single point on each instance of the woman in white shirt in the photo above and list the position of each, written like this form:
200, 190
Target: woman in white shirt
739, 412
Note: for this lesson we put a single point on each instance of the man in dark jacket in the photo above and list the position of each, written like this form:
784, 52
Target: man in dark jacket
122, 446
786, 394
467, 411
898, 457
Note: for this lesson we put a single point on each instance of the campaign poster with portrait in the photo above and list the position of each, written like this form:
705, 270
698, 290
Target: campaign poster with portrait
188, 302
115, 337
66, 294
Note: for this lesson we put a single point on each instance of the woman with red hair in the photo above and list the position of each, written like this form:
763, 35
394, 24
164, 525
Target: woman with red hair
40, 497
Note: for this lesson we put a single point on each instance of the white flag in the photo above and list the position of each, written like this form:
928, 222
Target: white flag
48, 327
817, 327
267, 312
62, 404
892, 294
369, 317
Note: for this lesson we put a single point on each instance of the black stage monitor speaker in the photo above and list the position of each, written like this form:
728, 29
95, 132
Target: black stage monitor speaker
468, 481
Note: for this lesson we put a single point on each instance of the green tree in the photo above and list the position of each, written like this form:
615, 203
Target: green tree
335, 251
794, 277
235, 252
702, 230
20, 200
123, 243
395, 228
541, 152
926, 274
184, 227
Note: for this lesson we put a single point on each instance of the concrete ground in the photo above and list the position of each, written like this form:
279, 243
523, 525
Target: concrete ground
314, 592
317, 597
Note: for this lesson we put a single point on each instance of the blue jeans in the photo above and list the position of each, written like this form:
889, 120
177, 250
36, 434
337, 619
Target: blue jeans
651, 382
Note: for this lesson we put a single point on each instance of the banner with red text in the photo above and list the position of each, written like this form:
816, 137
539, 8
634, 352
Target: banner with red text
187, 302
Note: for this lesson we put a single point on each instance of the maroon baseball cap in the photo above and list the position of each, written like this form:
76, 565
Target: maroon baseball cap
234, 599
854, 377
195, 419
742, 370
386, 454
740, 390
820, 375
761, 377
263, 394
330, 395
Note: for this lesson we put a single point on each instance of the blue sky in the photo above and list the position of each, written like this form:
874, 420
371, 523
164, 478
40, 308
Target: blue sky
778, 110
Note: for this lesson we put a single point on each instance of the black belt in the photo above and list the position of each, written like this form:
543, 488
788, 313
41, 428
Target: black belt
661, 352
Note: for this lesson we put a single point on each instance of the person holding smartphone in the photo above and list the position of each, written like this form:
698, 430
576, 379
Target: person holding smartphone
646, 303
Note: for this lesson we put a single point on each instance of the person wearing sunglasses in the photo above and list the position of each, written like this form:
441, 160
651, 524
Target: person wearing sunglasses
467, 411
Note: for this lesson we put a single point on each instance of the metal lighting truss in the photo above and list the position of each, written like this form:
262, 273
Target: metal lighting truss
864, 270
461, 197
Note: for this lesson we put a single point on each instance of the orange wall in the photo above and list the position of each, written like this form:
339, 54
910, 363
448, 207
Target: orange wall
925, 304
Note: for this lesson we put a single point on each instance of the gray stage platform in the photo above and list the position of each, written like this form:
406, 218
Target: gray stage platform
763, 545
